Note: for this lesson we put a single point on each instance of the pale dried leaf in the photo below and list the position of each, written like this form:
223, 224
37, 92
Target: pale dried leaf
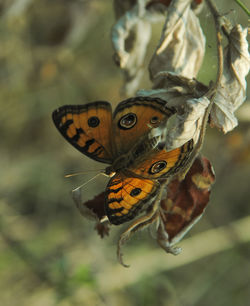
182, 45
232, 90
186, 124
174, 89
84, 210
133, 30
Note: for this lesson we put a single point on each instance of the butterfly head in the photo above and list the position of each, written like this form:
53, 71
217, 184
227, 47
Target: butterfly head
119, 164
109, 171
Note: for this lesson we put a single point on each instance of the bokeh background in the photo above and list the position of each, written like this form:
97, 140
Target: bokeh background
59, 52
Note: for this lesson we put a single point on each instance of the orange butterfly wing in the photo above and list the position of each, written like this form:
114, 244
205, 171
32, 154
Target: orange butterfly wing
134, 118
88, 128
162, 163
91, 129
127, 196
133, 189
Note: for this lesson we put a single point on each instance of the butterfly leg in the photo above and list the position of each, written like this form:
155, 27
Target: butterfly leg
139, 224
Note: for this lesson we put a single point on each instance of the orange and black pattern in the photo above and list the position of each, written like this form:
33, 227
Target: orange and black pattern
127, 196
87, 128
122, 141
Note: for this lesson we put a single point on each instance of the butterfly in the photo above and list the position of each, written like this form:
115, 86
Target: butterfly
122, 140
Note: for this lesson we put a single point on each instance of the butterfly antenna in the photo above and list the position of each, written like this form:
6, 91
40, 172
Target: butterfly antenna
82, 172
79, 187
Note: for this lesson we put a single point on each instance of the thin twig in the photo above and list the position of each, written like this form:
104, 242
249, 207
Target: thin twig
245, 9
217, 21
212, 90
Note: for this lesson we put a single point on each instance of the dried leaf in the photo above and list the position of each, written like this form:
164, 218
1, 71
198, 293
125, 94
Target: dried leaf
185, 204
130, 37
132, 32
102, 229
94, 210
186, 124
180, 93
182, 44
96, 205
84, 210
232, 89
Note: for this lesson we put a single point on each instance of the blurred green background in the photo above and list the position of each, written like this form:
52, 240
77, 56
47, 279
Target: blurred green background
59, 52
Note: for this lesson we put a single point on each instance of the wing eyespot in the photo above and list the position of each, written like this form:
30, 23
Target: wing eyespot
158, 167
135, 192
127, 121
154, 120
93, 121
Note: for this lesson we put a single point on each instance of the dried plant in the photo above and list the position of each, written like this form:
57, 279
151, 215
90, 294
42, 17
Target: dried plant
173, 68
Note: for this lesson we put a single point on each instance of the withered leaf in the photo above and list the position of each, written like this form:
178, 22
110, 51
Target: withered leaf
182, 44
130, 37
94, 210
185, 203
96, 205
232, 88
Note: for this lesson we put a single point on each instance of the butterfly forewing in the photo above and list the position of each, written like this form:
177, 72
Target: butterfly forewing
134, 118
87, 127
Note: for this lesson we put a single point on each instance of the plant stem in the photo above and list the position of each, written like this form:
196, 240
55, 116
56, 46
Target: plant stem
245, 9
212, 90
217, 17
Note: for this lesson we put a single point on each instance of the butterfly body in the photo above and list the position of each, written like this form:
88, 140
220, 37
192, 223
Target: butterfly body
124, 141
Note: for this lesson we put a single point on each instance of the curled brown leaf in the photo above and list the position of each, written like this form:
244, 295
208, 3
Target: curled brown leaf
185, 203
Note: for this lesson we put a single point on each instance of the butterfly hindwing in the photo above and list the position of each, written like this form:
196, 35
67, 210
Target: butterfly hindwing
127, 196
134, 117
87, 127
163, 163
